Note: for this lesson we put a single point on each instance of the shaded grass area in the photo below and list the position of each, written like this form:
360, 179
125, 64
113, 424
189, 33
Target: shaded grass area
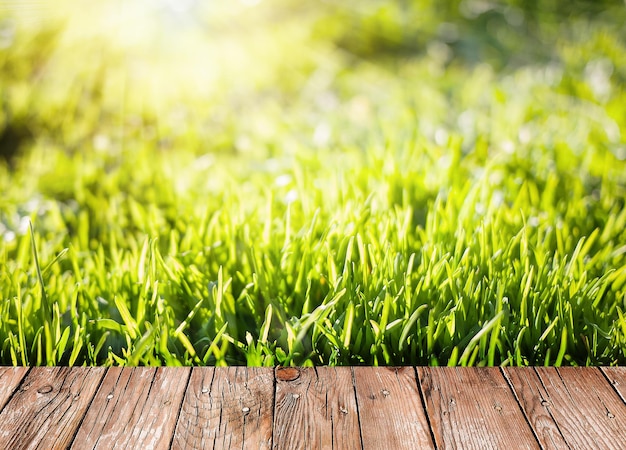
314, 200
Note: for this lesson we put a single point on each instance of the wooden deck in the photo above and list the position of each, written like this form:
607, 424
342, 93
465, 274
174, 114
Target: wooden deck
342, 408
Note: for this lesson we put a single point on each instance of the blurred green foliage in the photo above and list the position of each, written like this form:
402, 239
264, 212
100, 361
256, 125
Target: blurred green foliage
501, 33
61, 82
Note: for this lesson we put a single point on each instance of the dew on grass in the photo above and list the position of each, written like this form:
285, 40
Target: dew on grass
598, 75
441, 137
467, 122
507, 147
7, 235
497, 198
282, 180
322, 134
291, 196
525, 134
101, 142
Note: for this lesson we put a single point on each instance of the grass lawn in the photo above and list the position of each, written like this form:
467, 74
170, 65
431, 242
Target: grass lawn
300, 183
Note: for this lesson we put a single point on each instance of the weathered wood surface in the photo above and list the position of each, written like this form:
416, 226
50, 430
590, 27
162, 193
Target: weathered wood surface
48, 407
227, 408
472, 408
134, 408
534, 401
315, 408
391, 409
617, 378
324, 407
10, 378
585, 409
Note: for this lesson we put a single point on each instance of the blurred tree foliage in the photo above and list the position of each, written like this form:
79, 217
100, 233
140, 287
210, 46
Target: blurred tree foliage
504, 32
22, 61
86, 93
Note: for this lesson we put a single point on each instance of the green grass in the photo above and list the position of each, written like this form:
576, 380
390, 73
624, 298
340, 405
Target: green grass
316, 195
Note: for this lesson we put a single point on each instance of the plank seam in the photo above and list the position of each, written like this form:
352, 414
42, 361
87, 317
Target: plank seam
218, 434
523, 411
606, 409
423, 401
140, 407
275, 386
356, 402
569, 394
97, 440
180, 408
545, 388
328, 412
17, 388
612, 383
88, 407
244, 421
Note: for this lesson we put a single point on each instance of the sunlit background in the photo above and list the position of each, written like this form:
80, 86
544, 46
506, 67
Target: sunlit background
228, 76
206, 179
258, 82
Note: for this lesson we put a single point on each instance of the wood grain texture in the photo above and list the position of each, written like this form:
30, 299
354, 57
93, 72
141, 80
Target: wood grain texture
134, 408
48, 407
325, 407
315, 408
10, 379
534, 401
587, 410
617, 378
227, 408
390, 409
473, 408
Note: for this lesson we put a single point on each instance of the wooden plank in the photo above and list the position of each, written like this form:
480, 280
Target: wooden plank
534, 401
134, 408
390, 409
617, 378
584, 406
48, 407
227, 408
473, 408
10, 379
315, 408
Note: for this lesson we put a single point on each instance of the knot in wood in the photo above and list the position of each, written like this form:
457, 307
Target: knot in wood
45, 389
287, 373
